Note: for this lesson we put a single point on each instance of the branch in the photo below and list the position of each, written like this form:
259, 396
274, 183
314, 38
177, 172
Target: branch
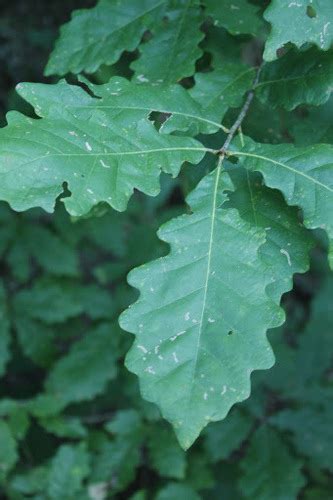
241, 116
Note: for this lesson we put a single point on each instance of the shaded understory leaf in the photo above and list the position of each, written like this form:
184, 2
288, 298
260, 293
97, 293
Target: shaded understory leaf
270, 471
311, 432
99, 35
69, 468
173, 51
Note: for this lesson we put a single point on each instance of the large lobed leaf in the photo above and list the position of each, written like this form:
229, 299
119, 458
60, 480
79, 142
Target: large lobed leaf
102, 155
287, 246
99, 36
311, 432
4, 332
215, 305
269, 469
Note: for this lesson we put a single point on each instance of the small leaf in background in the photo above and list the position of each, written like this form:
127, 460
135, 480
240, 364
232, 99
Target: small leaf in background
115, 461
269, 470
8, 450
311, 432
34, 481
223, 438
177, 492
215, 92
87, 368
68, 470
167, 457
4, 332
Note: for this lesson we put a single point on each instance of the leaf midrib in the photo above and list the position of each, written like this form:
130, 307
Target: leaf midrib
150, 110
209, 258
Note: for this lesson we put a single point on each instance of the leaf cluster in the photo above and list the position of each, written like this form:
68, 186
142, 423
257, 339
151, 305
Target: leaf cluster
189, 149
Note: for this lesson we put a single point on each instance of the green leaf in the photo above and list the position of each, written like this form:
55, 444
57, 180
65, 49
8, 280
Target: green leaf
64, 427
8, 450
98, 36
317, 124
288, 244
68, 299
125, 423
36, 340
239, 17
311, 432
297, 78
120, 457
215, 92
46, 405
222, 438
199, 366
316, 493
292, 21
269, 470
139, 495
199, 472
173, 51
32, 482
101, 158
51, 253
19, 262
303, 175
215, 39
18, 422
177, 491
4, 331
86, 369
306, 364
315, 348
69, 468
226, 487
165, 454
